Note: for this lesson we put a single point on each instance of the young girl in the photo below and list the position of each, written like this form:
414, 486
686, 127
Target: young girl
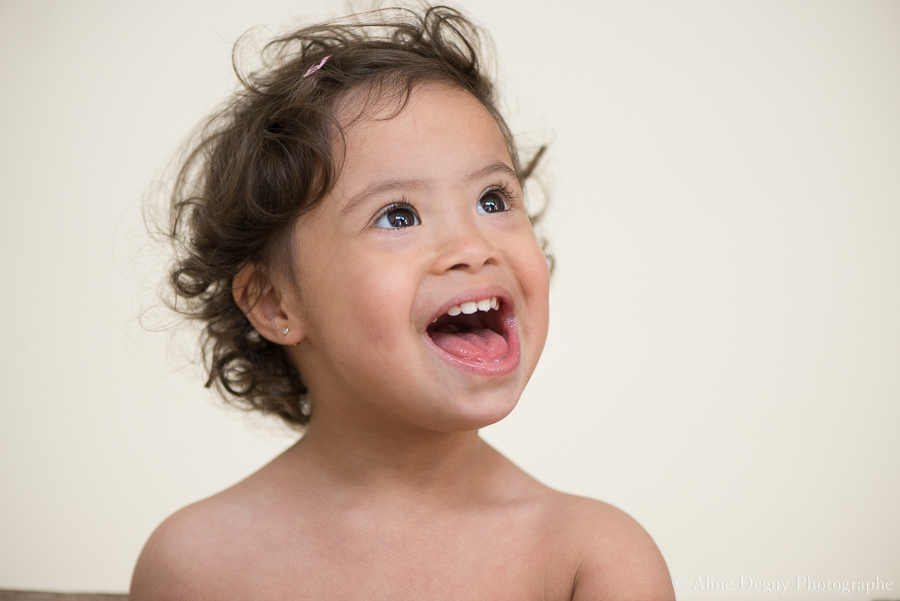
356, 242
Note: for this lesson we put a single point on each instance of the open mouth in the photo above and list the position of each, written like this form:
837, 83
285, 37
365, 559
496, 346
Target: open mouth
474, 332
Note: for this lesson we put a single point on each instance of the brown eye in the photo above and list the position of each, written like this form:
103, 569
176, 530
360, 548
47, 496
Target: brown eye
396, 217
492, 202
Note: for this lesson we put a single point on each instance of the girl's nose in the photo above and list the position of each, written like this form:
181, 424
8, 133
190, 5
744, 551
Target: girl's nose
462, 246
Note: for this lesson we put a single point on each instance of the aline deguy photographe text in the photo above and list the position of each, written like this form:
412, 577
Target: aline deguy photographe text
780, 586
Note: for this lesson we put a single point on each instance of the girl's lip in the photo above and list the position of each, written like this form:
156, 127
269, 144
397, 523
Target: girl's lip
510, 333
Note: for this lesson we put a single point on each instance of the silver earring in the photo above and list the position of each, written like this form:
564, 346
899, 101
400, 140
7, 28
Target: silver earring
305, 409
285, 331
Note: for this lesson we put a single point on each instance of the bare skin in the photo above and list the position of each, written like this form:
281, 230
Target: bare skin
296, 530
391, 494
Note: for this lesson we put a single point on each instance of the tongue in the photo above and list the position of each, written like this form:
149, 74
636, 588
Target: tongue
481, 344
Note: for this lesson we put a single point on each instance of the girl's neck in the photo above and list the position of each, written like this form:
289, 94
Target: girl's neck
410, 463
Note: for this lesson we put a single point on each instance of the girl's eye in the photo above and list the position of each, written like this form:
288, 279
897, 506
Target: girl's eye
492, 202
396, 217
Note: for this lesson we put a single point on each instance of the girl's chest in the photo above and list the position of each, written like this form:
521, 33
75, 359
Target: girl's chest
450, 562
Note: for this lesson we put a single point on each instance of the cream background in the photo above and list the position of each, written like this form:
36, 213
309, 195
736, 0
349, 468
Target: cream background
725, 340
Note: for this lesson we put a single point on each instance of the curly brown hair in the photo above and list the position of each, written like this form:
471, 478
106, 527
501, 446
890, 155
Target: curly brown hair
269, 157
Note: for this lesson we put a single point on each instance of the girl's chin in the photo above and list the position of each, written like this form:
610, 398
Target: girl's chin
473, 418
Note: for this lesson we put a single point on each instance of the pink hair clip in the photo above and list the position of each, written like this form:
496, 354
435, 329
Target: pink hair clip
315, 68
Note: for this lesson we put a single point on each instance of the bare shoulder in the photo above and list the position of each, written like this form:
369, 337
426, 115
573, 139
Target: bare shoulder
191, 554
616, 558
176, 558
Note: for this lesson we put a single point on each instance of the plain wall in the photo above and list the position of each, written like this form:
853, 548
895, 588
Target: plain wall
724, 355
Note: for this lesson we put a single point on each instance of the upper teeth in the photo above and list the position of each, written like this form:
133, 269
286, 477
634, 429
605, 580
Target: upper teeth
485, 304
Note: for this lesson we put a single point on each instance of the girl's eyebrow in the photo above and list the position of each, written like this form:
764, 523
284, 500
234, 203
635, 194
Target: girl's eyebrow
407, 184
498, 167
383, 186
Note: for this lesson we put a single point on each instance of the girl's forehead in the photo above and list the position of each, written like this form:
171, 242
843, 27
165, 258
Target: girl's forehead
368, 105
429, 127
440, 136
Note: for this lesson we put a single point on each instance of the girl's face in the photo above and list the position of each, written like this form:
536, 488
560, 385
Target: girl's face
425, 225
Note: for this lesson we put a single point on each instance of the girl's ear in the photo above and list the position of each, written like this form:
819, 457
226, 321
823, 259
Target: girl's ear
265, 306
